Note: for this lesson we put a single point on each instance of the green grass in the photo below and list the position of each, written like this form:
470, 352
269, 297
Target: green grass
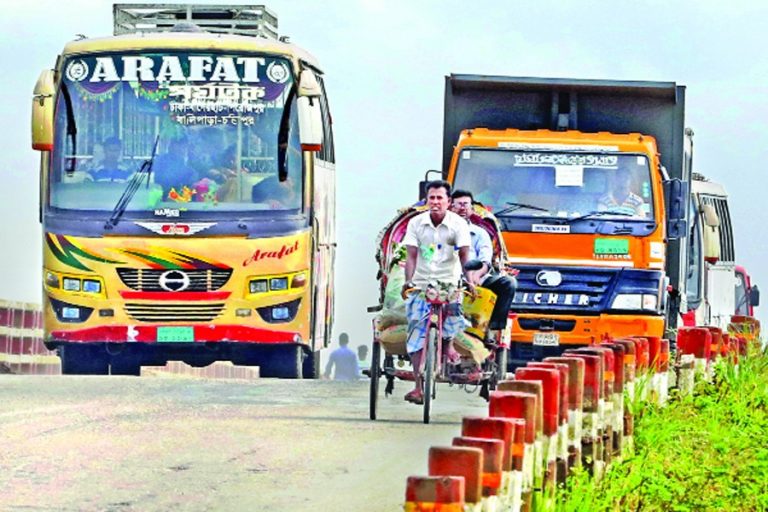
700, 453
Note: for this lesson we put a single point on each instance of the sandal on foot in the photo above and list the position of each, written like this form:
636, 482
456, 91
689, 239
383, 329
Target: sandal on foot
415, 396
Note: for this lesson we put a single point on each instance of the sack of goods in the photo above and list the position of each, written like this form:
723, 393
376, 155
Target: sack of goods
471, 347
391, 323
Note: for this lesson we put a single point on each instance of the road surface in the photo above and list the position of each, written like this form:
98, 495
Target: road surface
180, 443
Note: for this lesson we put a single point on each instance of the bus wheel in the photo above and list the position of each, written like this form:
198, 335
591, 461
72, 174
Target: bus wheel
83, 360
284, 362
311, 365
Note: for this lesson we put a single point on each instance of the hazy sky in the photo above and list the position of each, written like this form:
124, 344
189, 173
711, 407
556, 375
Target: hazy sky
385, 63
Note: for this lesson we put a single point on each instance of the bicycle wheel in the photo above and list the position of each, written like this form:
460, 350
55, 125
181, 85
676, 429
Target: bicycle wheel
429, 371
375, 374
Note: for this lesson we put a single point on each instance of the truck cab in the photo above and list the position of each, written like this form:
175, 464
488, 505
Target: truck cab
588, 180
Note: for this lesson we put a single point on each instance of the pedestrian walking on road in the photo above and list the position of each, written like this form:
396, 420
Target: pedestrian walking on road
363, 365
344, 360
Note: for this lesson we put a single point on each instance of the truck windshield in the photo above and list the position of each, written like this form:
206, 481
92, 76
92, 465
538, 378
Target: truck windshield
558, 184
224, 124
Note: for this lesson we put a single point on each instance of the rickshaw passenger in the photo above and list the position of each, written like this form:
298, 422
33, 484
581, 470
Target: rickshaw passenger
481, 248
430, 239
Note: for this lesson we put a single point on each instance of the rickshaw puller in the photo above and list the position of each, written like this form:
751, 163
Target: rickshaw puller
431, 240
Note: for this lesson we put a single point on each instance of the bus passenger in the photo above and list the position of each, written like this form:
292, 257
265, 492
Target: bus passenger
110, 168
172, 169
431, 240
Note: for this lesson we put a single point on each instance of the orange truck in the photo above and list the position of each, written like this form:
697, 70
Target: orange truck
589, 180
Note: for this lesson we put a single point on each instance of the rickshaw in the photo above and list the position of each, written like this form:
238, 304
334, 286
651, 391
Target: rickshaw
390, 329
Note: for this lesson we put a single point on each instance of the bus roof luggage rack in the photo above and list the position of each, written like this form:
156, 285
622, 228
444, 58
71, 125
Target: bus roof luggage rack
248, 20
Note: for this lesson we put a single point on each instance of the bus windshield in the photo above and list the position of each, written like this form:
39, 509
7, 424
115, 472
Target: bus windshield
559, 184
224, 125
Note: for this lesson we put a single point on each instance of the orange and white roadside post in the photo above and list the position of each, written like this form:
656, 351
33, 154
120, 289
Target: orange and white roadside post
693, 344
617, 416
605, 413
714, 353
491, 479
462, 462
575, 406
520, 406
550, 380
532, 459
630, 349
663, 371
434, 493
507, 431
591, 440
642, 375
562, 417
654, 378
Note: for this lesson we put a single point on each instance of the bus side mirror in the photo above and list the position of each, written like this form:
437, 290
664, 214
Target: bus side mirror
754, 296
42, 112
676, 195
309, 85
310, 123
711, 218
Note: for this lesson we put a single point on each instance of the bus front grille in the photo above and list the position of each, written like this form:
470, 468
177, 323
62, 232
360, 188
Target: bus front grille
174, 312
149, 280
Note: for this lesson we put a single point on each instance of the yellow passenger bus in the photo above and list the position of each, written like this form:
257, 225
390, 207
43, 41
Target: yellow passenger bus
187, 195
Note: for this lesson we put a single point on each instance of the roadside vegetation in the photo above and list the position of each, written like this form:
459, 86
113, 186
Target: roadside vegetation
700, 453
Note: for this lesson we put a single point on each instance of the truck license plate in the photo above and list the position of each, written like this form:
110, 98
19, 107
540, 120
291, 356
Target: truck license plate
175, 334
546, 339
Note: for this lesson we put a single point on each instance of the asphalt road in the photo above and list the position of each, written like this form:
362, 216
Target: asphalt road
180, 443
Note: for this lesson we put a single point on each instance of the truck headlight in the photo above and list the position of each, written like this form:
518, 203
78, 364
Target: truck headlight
635, 301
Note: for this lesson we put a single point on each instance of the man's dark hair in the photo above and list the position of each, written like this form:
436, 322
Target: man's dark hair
463, 193
439, 184
343, 339
112, 141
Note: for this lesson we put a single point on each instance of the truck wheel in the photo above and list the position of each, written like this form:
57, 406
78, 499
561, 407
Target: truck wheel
283, 362
83, 360
311, 365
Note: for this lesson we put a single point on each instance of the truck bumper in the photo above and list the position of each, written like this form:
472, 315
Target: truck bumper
576, 331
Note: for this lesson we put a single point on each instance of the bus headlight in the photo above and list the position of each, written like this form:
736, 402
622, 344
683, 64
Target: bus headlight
71, 285
278, 283
52, 280
91, 286
258, 286
280, 313
299, 280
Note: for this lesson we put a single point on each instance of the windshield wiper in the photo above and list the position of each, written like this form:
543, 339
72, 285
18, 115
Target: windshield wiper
517, 206
131, 188
71, 128
600, 213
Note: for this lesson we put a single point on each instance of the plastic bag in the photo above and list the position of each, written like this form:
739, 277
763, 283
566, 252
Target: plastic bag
395, 282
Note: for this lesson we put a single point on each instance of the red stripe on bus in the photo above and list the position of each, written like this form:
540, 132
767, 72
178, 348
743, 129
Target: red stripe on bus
203, 333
